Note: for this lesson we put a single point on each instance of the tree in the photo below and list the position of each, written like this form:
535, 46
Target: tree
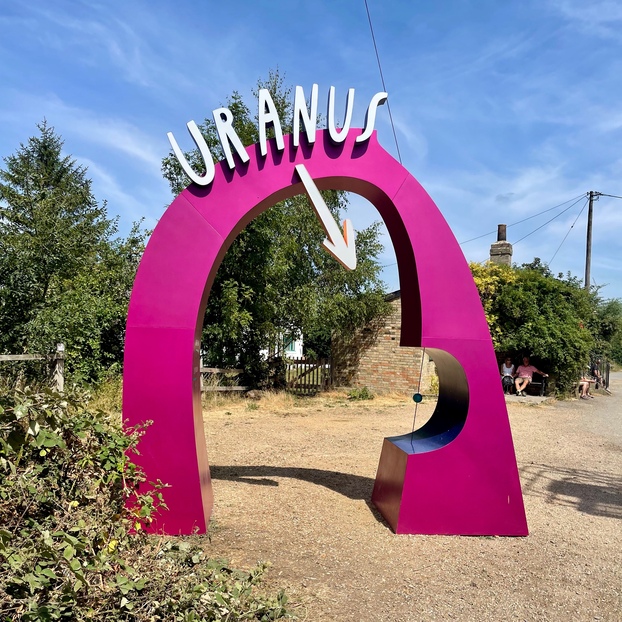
63, 275
275, 279
608, 321
530, 312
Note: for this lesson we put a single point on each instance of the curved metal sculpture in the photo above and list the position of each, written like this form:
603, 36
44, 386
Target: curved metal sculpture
457, 475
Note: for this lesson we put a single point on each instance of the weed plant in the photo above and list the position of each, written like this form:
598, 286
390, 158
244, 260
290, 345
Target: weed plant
108, 395
360, 394
72, 540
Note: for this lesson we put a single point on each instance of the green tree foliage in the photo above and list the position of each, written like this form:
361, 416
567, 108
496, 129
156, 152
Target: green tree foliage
276, 279
64, 277
530, 312
72, 543
608, 320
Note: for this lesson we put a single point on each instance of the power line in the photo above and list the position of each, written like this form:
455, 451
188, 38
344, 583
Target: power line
547, 222
568, 232
479, 237
384, 88
518, 222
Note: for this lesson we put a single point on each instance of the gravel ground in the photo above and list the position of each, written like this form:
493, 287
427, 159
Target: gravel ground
292, 483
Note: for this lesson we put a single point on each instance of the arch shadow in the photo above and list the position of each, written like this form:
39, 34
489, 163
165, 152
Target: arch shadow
347, 484
355, 487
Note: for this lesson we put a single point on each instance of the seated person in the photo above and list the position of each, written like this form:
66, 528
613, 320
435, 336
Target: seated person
507, 375
584, 387
524, 375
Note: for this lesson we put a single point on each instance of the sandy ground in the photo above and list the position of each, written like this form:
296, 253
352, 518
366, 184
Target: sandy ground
293, 481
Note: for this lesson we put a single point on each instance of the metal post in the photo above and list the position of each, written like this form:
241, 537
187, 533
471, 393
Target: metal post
588, 246
59, 367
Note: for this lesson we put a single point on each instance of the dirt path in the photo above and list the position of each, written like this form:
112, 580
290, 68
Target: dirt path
292, 485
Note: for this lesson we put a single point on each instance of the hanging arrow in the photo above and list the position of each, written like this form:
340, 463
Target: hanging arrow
341, 247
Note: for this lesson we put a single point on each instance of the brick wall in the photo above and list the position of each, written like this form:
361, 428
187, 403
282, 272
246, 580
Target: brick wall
374, 359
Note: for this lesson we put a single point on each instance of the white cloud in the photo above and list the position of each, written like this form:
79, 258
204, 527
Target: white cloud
600, 17
141, 204
113, 134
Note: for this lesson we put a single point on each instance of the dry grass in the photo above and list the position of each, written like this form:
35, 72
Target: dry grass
108, 396
280, 402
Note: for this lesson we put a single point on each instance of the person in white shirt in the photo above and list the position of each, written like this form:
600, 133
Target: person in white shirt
507, 375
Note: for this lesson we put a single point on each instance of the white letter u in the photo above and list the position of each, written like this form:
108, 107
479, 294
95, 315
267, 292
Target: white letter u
210, 171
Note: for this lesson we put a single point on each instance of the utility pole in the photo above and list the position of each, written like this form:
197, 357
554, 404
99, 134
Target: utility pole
588, 245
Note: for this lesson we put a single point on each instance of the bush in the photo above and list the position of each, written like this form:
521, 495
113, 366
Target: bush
72, 544
532, 313
360, 394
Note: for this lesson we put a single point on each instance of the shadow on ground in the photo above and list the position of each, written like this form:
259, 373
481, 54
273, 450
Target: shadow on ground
590, 492
351, 486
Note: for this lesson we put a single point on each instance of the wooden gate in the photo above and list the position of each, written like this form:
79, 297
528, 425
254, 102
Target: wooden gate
306, 377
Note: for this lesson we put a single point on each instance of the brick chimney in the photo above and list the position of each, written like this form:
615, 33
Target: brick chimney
501, 250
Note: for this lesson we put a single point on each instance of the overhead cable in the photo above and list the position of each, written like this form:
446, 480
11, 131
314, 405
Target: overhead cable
518, 222
568, 232
384, 87
547, 222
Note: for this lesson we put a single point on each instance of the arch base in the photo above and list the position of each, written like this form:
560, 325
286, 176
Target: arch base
454, 504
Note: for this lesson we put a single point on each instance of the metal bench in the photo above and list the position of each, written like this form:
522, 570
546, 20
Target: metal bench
538, 385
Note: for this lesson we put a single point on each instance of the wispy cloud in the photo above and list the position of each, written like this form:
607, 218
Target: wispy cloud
133, 206
599, 17
146, 45
101, 33
113, 134
117, 135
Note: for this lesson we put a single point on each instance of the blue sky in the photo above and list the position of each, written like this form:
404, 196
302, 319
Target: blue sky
502, 109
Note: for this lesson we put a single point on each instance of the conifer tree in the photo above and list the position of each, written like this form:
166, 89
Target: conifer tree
63, 276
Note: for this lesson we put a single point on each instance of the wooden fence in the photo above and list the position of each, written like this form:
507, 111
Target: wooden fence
305, 377
58, 375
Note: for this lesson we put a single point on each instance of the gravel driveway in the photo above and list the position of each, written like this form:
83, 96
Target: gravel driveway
293, 482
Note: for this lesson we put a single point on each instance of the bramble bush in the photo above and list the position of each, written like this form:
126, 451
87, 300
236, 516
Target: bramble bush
72, 540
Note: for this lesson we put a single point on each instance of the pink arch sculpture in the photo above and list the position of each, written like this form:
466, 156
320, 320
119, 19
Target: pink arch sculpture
457, 475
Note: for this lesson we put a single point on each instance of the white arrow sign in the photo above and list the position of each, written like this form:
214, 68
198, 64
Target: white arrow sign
341, 247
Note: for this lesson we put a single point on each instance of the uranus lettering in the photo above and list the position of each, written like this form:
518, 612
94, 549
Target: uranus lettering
304, 120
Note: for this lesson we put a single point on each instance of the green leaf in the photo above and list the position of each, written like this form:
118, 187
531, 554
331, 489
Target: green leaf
20, 411
48, 572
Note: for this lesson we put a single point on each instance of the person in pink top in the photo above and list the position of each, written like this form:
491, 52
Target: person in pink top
524, 374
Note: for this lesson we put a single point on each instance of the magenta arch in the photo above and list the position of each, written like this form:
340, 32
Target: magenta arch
466, 484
